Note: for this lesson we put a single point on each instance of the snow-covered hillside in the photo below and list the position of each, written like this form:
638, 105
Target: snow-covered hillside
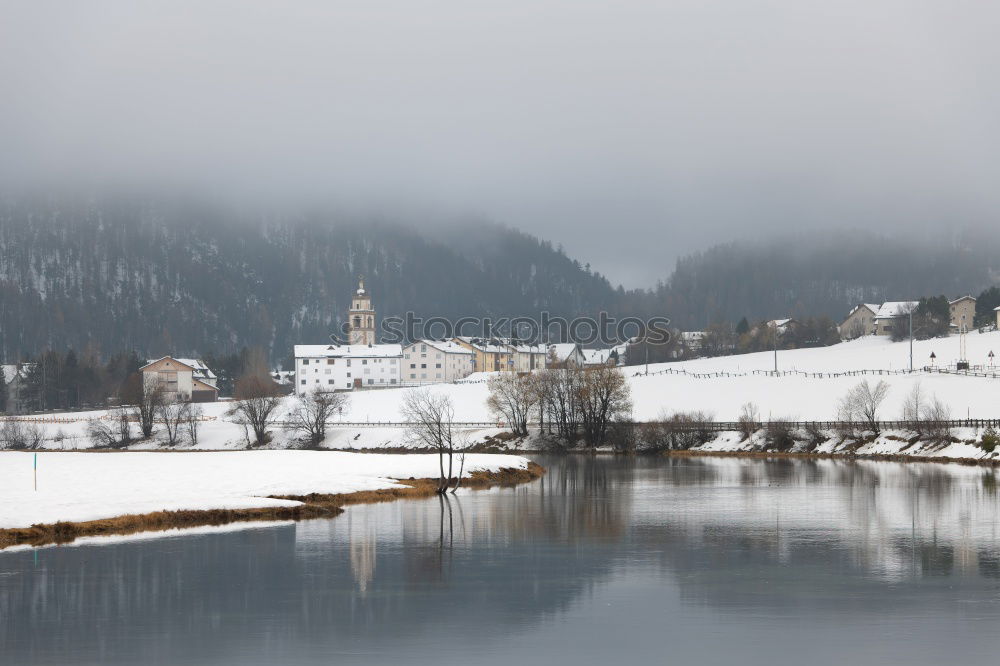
663, 391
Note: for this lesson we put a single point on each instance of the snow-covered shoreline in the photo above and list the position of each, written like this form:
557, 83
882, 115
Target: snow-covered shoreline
80, 486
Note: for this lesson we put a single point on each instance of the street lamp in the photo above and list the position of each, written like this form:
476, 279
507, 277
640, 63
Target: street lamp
933, 356
991, 358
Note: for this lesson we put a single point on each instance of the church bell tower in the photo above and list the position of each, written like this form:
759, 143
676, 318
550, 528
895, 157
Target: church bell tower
361, 316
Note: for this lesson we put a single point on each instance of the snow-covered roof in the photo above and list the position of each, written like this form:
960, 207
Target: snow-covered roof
692, 336
348, 351
151, 361
967, 297
779, 323
891, 309
596, 356
872, 307
522, 348
199, 370
484, 345
446, 346
563, 350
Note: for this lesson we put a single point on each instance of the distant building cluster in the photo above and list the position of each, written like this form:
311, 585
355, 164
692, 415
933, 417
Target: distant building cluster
883, 319
362, 363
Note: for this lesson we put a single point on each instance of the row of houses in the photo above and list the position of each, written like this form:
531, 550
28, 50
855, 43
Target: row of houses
882, 319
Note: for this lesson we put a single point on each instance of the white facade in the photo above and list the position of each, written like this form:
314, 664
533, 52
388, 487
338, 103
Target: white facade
346, 367
435, 361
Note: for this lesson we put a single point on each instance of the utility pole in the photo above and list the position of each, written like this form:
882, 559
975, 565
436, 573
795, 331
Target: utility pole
775, 348
911, 338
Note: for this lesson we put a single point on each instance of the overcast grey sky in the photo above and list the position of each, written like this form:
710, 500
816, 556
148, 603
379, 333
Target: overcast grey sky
628, 130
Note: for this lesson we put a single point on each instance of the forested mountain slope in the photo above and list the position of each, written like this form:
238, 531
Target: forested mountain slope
193, 279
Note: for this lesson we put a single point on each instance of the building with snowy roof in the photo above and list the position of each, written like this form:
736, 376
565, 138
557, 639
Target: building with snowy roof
435, 361
345, 367
886, 319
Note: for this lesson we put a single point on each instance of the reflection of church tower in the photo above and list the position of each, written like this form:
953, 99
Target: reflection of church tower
361, 317
362, 549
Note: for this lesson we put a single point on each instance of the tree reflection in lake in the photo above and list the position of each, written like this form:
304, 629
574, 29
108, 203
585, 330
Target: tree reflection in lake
678, 548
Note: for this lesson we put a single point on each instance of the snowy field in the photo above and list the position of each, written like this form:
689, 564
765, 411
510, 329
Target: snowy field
794, 397
88, 486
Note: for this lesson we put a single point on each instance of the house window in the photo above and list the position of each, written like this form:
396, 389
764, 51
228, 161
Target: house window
371, 381
348, 364
412, 375
329, 361
330, 382
303, 382
392, 361
328, 371
392, 381
364, 361
348, 374
423, 348
407, 355
437, 365
305, 361
423, 365
413, 365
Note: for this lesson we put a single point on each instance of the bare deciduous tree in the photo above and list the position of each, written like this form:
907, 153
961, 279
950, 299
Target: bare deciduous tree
748, 420
114, 432
257, 400
913, 409
173, 414
430, 416
145, 399
604, 396
192, 423
861, 404
313, 411
512, 396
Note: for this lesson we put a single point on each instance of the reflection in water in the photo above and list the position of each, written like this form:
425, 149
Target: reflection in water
678, 549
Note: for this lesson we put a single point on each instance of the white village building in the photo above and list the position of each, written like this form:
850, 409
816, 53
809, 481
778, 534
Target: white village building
359, 364
435, 361
345, 367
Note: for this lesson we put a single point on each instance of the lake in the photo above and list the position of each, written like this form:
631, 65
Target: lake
603, 561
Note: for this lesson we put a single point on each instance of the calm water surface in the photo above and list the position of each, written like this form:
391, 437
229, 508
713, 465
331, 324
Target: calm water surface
701, 561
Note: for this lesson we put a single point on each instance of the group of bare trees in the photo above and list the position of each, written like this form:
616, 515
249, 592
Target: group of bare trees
144, 406
571, 403
15, 434
256, 408
926, 415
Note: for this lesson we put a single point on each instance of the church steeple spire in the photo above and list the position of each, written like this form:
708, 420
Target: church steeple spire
361, 316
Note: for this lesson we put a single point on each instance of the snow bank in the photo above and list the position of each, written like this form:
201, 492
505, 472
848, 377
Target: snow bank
76, 486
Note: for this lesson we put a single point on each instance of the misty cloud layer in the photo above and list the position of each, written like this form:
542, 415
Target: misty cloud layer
629, 131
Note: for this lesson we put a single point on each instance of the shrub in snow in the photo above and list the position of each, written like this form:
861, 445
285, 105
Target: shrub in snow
779, 435
20, 435
990, 439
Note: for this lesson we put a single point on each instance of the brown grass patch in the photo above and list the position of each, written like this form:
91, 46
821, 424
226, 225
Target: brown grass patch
314, 505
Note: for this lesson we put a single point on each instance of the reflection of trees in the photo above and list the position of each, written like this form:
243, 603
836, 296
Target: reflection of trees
510, 556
